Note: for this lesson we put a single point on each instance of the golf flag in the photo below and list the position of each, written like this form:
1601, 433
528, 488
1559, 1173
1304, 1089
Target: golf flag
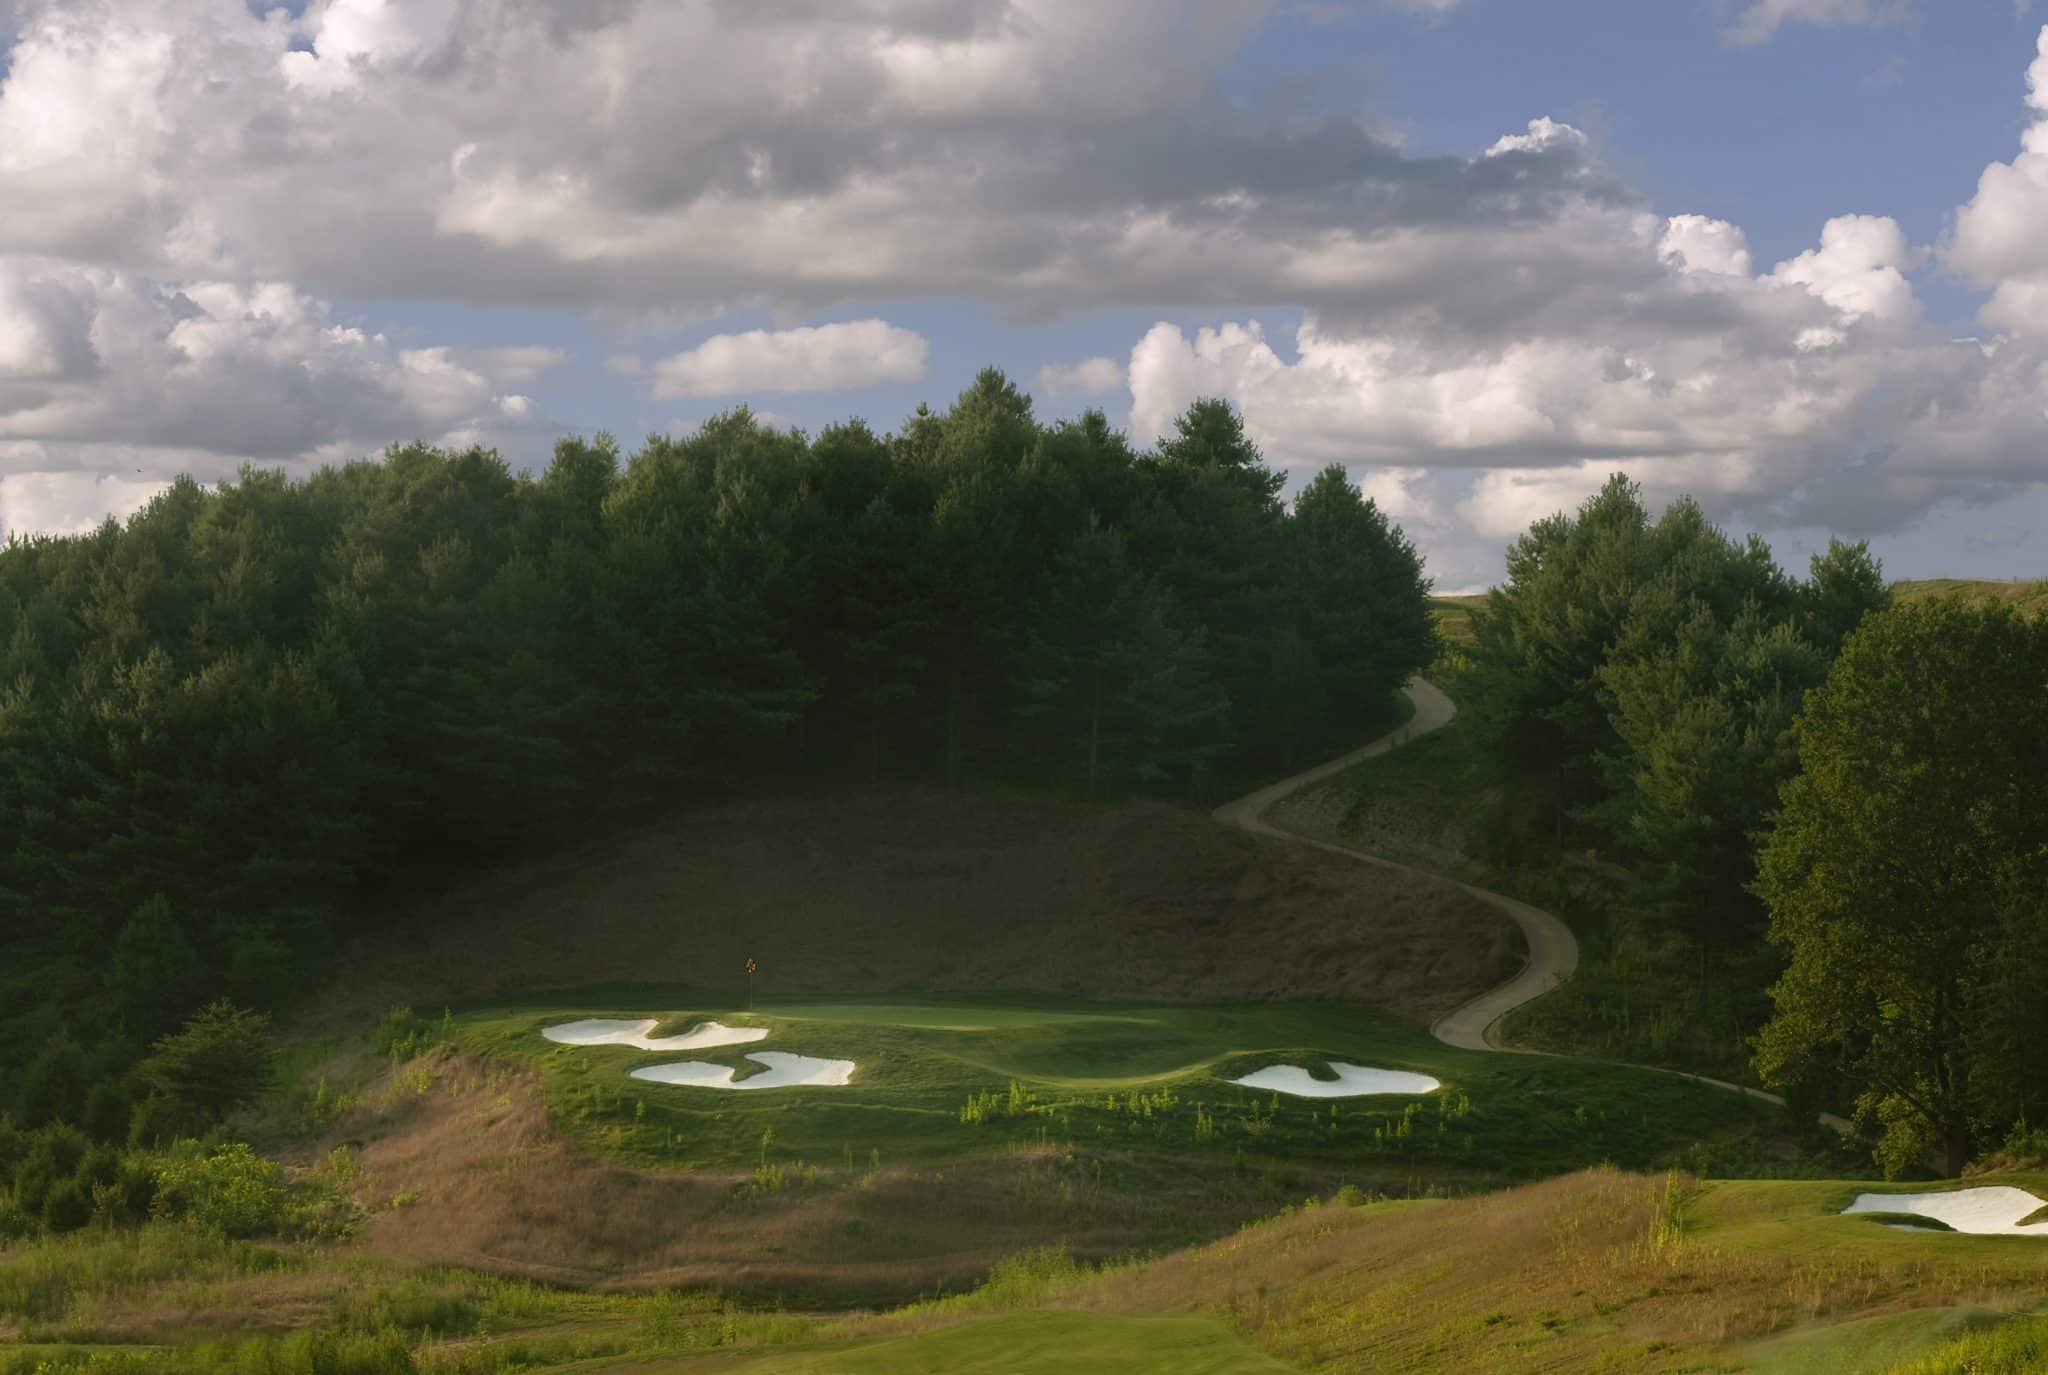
751, 966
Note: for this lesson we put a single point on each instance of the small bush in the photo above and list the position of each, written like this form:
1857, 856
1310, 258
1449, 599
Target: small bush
15, 1223
159, 1120
220, 1060
403, 1033
107, 1112
67, 1206
316, 1353
230, 1190
418, 1307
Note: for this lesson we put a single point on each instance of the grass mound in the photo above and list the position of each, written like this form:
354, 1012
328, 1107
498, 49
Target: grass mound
1919, 1220
934, 892
973, 1129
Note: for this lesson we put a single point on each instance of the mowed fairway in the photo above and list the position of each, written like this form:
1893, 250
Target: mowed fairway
940, 1080
1039, 1342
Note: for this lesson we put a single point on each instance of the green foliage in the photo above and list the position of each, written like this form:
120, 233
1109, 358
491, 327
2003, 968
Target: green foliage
227, 1189
402, 1033
2018, 1347
218, 1061
222, 725
154, 973
53, 1085
1904, 876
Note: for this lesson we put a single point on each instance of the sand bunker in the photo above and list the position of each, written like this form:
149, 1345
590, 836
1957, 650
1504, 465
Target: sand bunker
607, 1031
1352, 1081
784, 1071
1989, 1212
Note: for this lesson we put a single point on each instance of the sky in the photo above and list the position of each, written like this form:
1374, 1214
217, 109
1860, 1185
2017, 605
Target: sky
1787, 256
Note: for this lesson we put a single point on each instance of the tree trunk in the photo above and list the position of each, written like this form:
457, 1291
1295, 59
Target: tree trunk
1955, 1150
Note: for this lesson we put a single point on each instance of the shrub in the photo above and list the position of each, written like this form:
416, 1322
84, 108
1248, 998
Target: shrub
217, 1062
107, 1110
403, 1033
153, 974
67, 1206
52, 1087
126, 1200
417, 1307
317, 1353
13, 1146
230, 1190
53, 1157
159, 1120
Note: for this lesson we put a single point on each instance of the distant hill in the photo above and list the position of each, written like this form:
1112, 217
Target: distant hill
2027, 594
1454, 614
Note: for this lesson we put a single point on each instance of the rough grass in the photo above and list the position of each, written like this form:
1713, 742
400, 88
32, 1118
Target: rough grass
2029, 595
1040, 1343
975, 1128
1453, 617
1594, 1271
934, 893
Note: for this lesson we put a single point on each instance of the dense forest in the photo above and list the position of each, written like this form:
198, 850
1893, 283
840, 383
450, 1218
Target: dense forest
223, 723
1833, 805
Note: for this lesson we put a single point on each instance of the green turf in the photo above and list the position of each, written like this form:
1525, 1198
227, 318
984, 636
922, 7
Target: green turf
1803, 1217
1042, 1341
1146, 1082
1867, 1345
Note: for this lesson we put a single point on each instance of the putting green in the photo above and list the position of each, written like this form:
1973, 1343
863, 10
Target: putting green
939, 1079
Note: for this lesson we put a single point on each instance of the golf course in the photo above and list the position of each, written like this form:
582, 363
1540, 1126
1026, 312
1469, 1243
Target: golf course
1005, 1182
1027, 974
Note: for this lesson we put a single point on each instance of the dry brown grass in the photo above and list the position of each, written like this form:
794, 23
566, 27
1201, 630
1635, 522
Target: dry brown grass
470, 1172
1567, 1275
935, 893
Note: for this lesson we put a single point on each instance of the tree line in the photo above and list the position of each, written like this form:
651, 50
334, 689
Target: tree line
1836, 804
224, 722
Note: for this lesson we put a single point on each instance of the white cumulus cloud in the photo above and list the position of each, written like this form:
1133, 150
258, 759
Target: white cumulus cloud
1761, 19
2001, 235
1089, 377
810, 358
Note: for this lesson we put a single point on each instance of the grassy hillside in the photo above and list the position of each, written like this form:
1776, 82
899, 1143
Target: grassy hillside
1597, 1270
1453, 617
973, 1129
2025, 594
931, 892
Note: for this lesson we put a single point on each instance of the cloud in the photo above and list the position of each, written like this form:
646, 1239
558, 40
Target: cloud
68, 503
811, 358
1998, 237
1762, 19
1694, 243
1809, 394
107, 372
1040, 154
1859, 268
1089, 377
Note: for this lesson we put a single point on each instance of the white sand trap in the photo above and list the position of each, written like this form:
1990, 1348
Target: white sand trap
1352, 1081
1987, 1212
784, 1071
608, 1031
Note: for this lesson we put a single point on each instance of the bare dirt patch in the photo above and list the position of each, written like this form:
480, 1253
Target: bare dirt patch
471, 1172
937, 893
